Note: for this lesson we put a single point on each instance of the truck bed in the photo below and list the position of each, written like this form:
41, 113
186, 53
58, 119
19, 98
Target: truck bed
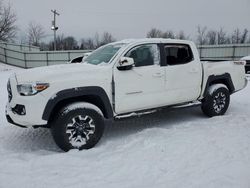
234, 69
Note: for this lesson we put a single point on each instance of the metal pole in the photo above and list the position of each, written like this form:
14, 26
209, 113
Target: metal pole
55, 31
54, 27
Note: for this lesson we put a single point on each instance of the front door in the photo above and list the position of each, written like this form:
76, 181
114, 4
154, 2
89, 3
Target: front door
142, 87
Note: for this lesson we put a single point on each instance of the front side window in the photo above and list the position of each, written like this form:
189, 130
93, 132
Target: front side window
178, 54
145, 55
103, 55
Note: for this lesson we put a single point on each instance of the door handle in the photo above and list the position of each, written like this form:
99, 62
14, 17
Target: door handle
158, 74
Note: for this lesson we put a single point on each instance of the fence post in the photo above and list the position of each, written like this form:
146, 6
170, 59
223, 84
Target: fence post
200, 51
25, 61
68, 56
5, 55
234, 48
47, 59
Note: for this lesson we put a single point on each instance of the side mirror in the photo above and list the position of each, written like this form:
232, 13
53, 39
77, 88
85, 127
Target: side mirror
125, 63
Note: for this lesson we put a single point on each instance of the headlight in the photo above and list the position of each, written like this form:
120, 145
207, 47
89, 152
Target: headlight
31, 89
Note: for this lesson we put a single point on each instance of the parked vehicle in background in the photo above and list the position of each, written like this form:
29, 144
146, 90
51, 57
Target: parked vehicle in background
247, 66
79, 59
118, 80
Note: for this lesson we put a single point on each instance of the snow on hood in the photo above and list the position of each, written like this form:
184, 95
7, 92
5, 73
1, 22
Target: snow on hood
54, 72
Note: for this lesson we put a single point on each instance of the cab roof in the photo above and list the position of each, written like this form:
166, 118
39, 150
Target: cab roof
153, 40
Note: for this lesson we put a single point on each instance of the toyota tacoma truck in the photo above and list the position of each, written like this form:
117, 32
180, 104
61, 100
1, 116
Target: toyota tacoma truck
129, 77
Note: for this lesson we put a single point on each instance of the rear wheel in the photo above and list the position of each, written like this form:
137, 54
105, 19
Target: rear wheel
78, 126
217, 100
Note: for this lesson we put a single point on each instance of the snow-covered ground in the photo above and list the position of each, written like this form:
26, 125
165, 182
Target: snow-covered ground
178, 148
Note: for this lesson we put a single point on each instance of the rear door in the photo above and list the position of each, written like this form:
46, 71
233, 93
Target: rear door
183, 74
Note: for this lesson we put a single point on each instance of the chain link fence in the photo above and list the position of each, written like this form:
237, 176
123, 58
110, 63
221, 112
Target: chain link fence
30, 56
224, 52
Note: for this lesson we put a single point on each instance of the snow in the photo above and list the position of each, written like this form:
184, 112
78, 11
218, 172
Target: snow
214, 88
85, 105
172, 148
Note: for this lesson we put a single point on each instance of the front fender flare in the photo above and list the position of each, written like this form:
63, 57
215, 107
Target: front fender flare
79, 92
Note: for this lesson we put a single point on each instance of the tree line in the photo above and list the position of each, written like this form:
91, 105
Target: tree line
36, 34
206, 36
70, 43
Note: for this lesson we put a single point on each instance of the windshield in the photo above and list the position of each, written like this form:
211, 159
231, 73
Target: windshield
104, 54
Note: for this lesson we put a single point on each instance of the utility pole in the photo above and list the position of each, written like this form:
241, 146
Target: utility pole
54, 27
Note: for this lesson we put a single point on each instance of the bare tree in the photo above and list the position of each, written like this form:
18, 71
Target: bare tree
35, 33
211, 37
222, 37
201, 35
97, 42
90, 44
181, 35
244, 36
168, 34
59, 43
239, 37
64, 43
107, 38
83, 44
87, 44
236, 36
154, 33
70, 43
8, 29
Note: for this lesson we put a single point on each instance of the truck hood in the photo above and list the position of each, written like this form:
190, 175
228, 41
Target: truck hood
59, 72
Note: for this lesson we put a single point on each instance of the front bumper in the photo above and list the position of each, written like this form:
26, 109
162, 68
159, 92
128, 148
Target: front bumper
24, 111
12, 122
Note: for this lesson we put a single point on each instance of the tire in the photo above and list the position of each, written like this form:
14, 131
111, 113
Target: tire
217, 100
78, 126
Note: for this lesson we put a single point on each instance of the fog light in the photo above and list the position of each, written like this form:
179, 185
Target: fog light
19, 109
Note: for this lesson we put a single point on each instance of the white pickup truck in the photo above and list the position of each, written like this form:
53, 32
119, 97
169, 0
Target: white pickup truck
118, 80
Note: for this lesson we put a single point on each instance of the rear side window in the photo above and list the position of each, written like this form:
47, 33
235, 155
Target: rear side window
177, 54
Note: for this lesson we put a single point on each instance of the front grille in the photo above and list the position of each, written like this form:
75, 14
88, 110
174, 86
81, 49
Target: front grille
9, 91
248, 62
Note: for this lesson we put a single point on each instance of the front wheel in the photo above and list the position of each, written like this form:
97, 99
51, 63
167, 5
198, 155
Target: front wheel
217, 100
78, 126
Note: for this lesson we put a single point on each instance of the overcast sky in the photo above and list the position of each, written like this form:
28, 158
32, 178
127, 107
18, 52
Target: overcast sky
132, 18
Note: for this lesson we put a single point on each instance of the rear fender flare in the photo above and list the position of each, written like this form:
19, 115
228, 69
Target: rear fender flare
222, 79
